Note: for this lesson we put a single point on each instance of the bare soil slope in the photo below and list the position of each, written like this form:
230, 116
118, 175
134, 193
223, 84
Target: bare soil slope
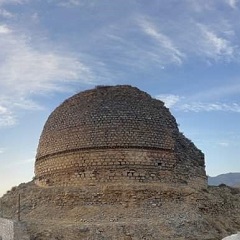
125, 212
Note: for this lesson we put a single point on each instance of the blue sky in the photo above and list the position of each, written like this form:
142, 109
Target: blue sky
184, 52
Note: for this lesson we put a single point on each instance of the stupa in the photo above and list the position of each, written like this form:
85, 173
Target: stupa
116, 134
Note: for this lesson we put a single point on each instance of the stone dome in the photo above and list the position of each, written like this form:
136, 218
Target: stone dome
113, 134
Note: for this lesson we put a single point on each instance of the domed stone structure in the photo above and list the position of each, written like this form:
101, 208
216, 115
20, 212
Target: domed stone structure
116, 135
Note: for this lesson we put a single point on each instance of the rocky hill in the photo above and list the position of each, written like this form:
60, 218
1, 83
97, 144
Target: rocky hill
112, 165
230, 179
125, 212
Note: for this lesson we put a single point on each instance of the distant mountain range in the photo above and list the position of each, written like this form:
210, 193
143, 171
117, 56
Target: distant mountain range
230, 179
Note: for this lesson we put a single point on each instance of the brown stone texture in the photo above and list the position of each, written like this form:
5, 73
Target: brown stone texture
112, 165
115, 134
118, 212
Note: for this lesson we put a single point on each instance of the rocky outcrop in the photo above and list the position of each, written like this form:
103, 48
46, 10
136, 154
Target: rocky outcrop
112, 164
126, 212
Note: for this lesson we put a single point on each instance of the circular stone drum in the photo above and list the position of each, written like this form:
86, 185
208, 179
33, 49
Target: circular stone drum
115, 134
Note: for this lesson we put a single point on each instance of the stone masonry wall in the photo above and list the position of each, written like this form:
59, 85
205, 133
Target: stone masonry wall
107, 118
6, 229
106, 165
115, 134
115, 165
11, 230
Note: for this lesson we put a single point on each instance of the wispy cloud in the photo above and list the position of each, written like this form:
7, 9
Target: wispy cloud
26, 70
3, 110
7, 120
2, 150
6, 14
143, 42
69, 3
185, 104
169, 99
2, 2
215, 46
26, 104
213, 40
166, 45
9, 106
76, 3
232, 3
209, 107
4, 29
199, 5
7, 117
202, 5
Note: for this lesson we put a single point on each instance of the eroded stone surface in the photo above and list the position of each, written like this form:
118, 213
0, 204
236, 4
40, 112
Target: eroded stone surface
112, 164
115, 134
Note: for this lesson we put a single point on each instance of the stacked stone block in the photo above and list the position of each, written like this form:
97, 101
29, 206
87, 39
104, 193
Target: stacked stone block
12, 230
6, 229
115, 135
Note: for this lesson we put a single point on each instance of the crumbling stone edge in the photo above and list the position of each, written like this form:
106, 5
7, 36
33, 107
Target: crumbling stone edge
13, 230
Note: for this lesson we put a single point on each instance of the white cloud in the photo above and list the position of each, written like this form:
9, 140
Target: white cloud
206, 40
4, 29
166, 45
169, 99
3, 110
26, 70
215, 46
2, 2
75, 3
232, 3
7, 118
26, 104
82, 3
69, 3
209, 107
187, 104
6, 14
201, 5
2, 150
